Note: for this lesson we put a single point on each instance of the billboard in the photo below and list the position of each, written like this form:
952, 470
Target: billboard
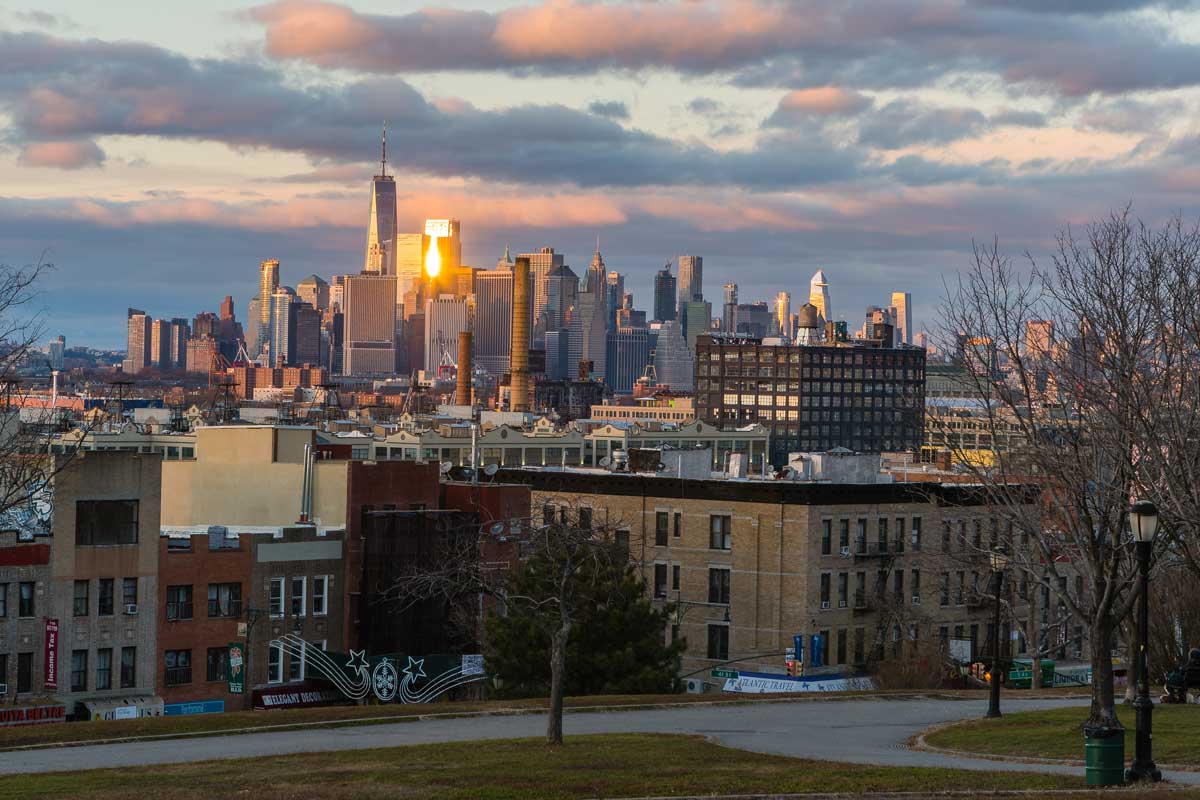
51, 654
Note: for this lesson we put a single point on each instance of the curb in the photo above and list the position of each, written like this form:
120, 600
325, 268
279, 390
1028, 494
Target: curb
919, 743
421, 717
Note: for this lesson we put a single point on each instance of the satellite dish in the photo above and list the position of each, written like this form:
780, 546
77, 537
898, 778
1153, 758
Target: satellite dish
661, 466
497, 528
491, 469
604, 462
445, 467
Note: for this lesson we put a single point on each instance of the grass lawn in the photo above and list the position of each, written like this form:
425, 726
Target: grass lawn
627, 765
212, 724
1059, 734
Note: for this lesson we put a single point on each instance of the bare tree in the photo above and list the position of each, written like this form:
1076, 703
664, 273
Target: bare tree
570, 555
1062, 359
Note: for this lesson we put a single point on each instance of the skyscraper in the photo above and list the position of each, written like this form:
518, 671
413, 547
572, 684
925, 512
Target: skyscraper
673, 362
410, 261
138, 338
729, 312
492, 341
698, 321
369, 325
783, 314
902, 313
562, 292
283, 327
160, 344
445, 318
1039, 339
664, 294
691, 279
597, 274
587, 333
627, 357
57, 351
541, 264
381, 225
177, 344
443, 253
818, 295
615, 292
314, 290
268, 281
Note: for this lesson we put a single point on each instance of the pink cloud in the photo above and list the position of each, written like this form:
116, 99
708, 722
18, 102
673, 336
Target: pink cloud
824, 100
62, 155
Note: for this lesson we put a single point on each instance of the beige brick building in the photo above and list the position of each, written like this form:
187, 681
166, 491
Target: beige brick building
751, 564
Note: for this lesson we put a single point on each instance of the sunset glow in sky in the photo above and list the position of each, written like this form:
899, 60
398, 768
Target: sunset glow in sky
158, 151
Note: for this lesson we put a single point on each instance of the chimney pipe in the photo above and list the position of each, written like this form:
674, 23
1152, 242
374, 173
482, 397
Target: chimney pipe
462, 395
305, 478
519, 358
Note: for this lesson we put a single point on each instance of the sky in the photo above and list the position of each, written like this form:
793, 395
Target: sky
155, 152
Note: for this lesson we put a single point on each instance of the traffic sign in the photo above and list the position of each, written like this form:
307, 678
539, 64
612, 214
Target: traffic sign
725, 673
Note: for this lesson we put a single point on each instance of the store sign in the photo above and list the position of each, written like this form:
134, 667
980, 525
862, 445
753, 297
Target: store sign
235, 666
296, 698
33, 715
767, 683
51, 659
199, 707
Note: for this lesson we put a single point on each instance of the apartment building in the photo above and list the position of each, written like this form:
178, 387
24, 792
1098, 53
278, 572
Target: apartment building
751, 564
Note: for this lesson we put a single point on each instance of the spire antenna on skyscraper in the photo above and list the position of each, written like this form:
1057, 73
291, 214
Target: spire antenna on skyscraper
383, 145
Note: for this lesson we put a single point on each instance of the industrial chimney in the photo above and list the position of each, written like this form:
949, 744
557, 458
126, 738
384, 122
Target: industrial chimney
519, 359
462, 394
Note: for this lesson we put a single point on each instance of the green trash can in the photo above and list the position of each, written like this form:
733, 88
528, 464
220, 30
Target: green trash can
1105, 756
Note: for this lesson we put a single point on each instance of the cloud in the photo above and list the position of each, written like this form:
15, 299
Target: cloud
612, 109
1079, 48
44, 19
704, 105
824, 100
902, 123
62, 155
59, 90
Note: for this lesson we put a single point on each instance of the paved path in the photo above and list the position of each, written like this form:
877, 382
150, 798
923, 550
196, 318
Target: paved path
872, 731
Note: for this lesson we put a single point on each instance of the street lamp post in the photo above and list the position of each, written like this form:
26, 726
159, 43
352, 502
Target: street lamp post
1143, 520
999, 560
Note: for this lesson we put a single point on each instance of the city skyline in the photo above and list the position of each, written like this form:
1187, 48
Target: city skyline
770, 153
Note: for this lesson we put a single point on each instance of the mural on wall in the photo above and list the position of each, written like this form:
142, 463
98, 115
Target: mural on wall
31, 518
357, 677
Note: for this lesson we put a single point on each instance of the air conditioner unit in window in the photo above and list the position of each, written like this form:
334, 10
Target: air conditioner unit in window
695, 686
916, 599
845, 552
824, 604
841, 603
3, 690
131, 608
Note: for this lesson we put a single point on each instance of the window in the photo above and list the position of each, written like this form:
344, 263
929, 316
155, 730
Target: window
945, 536
826, 537
677, 530
79, 660
179, 544
825, 581
178, 667
219, 539
883, 535
275, 663
718, 642
104, 603
296, 666
24, 672
841, 646
843, 588
916, 586
215, 668
320, 600
105, 522
276, 598
25, 600
80, 602
675, 577
224, 599
944, 589
720, 532
622, 541
104, 668
916, 533
547, 514
961, 594
899, 587
860, 637
299, 587
128, 667
179, 602
860, 538
660, 529
585, 519
3, 600
129, 591
844, 534
718, 585
660, 580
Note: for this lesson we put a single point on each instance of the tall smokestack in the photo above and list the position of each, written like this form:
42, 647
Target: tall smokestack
462, 395
519, 360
